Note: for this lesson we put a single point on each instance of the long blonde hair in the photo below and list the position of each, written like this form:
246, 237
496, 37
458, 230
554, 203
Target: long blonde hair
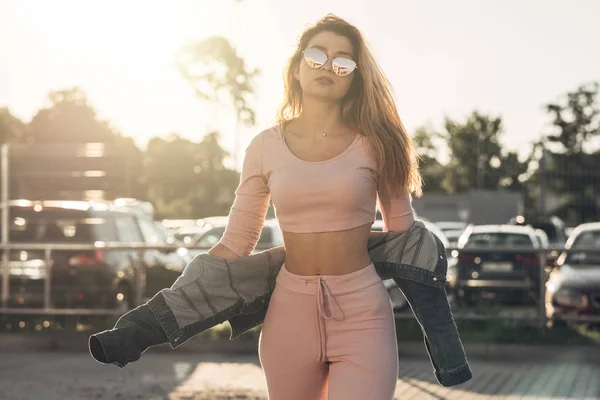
368, 107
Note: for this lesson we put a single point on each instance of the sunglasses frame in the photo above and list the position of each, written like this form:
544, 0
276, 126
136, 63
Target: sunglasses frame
332, 61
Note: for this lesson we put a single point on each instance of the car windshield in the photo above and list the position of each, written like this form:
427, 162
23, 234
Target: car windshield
211, 237
587, 239
58, 226
498, 239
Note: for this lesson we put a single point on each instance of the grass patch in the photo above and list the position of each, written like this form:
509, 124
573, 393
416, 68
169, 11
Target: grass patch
504, 331
501, 331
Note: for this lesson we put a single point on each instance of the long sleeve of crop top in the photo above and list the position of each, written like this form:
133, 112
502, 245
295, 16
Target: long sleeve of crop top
396, 211
247, 214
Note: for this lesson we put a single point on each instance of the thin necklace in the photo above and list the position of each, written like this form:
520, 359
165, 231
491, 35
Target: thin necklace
283, 131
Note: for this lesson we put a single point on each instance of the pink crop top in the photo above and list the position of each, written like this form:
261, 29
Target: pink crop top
308, 196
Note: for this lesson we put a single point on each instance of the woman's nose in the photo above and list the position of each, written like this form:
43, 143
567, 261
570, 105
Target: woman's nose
328, 65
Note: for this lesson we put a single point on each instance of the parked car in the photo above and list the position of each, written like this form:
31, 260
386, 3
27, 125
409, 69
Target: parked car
162, 266
271, 236
514, 275
175, 224
542, 237
79, 279
399, 302
573, 288
88, 279
446, 226
554, 228
190, 234
453, 235
452, 230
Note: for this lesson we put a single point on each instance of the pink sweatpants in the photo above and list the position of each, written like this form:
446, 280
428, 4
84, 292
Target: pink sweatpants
329, 337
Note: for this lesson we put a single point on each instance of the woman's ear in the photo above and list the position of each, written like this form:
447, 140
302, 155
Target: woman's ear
297, 72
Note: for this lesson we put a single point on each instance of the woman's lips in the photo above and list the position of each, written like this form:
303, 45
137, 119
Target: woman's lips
324, 80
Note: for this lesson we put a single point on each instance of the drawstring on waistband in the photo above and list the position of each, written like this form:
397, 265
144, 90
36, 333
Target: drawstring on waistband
321, 299
324, 291
327, 287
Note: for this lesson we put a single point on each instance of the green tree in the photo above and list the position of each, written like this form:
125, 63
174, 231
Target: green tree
75, 152
220, 76
186, 179
12, 129
432, 170
477, 159
70, 119
576, 119
217, 73
570, 168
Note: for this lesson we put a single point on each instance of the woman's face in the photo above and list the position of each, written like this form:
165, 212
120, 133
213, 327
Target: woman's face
322, 82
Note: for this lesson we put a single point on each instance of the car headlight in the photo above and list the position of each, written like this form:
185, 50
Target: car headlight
571, 299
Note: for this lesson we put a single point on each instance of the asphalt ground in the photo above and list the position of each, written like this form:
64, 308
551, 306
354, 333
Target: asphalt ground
180, 375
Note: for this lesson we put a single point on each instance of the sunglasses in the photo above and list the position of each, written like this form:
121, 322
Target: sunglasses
341, 66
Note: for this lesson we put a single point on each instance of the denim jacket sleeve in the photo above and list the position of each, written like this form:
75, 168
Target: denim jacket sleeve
430, 306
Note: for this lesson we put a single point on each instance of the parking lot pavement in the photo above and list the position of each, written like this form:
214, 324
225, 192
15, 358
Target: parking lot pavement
184, 376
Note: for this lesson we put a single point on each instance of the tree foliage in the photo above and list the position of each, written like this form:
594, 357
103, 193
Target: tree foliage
576, 119
217, 73
571, 168
12, 129
188, 179
69, 119
477, 157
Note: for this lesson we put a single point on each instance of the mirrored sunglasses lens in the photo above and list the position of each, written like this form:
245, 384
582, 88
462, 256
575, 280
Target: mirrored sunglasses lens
315, 58
343, 66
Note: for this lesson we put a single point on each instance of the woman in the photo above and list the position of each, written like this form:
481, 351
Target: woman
329, 331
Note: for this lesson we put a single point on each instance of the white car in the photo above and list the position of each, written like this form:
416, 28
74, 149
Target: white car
271, 236
573, 288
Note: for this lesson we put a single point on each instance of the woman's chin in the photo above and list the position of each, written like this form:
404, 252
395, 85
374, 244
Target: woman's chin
322, 94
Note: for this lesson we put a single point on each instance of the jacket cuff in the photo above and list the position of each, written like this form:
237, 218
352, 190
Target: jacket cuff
454, 376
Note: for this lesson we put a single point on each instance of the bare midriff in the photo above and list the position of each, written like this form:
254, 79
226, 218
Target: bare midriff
327, 253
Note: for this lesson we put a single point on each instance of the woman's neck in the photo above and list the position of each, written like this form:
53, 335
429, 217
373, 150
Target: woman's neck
319, 116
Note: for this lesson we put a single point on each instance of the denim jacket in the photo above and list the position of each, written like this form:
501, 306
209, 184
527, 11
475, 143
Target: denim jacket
212, 290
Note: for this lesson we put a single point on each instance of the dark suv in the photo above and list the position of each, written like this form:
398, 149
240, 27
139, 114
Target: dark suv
484, 272
79, 279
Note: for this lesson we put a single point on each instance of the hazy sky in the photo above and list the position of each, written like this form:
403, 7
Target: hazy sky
444, 58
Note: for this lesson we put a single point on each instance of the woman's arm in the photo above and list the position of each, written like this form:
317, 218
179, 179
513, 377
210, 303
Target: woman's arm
221, 251
396, 210
247, 214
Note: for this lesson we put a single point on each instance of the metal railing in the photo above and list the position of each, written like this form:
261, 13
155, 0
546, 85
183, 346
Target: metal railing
48, 248
140, 279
